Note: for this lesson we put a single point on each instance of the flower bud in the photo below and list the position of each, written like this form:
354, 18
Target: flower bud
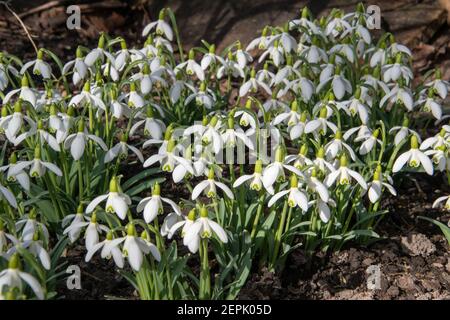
192, 214
203, 212
414, 142
113, 185
258, 166
156, 190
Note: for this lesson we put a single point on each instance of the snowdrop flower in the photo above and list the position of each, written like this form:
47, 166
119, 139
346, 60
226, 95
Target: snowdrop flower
242, 57
21, 177
399, 94
28, 226
439, 140
275, 170
377, 184
313, 54
44, 137
168, 159
304, 23
117, 108
301, 159
121, 150
209, 186
344, 175
230, 67
430, 105
152, 127
313, 184
152, 206
76, 220
8, 195
147, 79
35, 247
275, 53
320, 162
414, 157
265, 75
77, 141
211, 58
438, 201
86, 97
203, 227
336, 146
80, 68
255, 179
134, 248
339, 84
134, 99
355, 106
37, 167
186, 223
234, 136
439, 156
369, 142
403, 131
338, 27
169, 221
25, 93
98, 53
260, 42
440, 86
392, 72
109, 249
92, 233
203, 97
13, 124
66, 124
287, 41
191, 66
12, 277
296, 198
116, 201
39, 66
161, 27
321, 124
362, 130
4, 237
252, 85
6, 69
246, 117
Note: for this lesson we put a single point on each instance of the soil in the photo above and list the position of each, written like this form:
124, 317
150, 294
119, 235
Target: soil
412, 255
413, 258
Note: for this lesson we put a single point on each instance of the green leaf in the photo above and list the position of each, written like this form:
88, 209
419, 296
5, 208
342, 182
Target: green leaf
445, 229
140, 176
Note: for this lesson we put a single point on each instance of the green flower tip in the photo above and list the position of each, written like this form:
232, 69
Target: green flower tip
343, 161
211, 174
37, 152
191, 54
414, 142
24, 81
131, 230
14, 261
156, 189
258, 166
192, 214
294, 181
279, 154
113, 185
204, 212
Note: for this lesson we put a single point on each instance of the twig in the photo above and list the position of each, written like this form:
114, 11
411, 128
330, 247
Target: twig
21, 23
43, 7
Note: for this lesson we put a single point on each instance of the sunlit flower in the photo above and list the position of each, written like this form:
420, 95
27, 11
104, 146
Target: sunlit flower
414, 157
116, 201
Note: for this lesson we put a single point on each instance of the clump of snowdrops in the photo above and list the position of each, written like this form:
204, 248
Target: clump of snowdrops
185, 170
